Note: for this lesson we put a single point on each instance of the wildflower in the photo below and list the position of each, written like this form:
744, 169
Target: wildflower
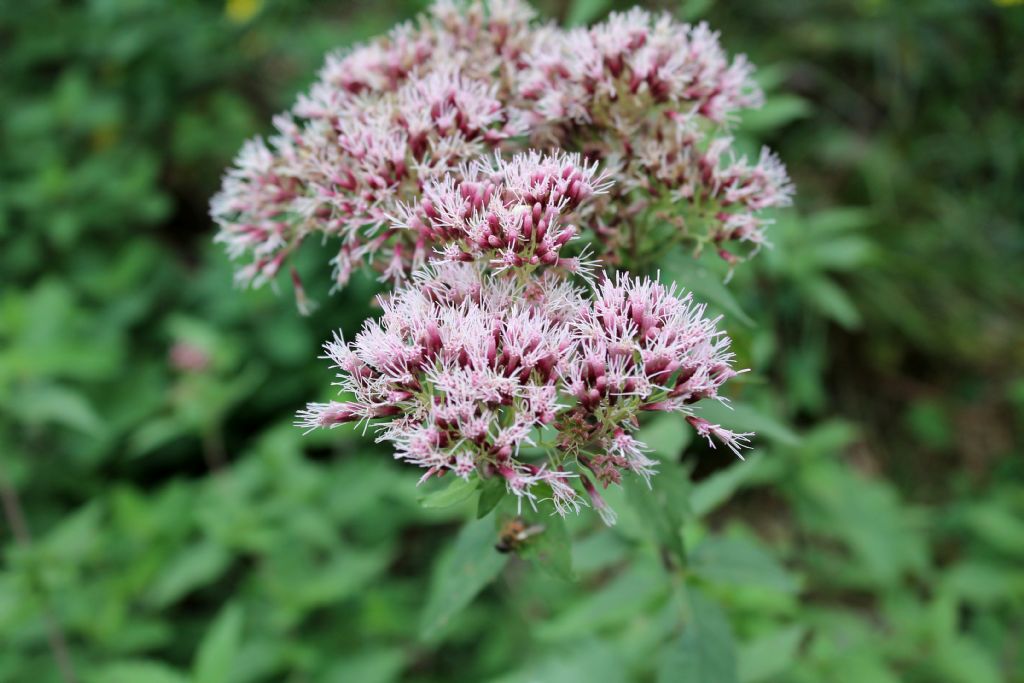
382, 120
406, 128
608, 515
510, 213
475, 160
734, 441
325, 415
647, 59
186, 356
467, 367
654, 100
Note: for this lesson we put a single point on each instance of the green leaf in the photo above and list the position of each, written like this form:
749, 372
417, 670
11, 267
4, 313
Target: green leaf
77, 536
691, 10
777, 111
57, 405
586, 661
709, 493
626, 596
985, 583
344, 575
551, 549
666, 434
831, 300
216, 657
136, 671
462, 572
963, 660
740, 562
769, 656
600, 550
664, 505
382, 665
869, 517
998, 524
491, 493
195, 566
458, 491
841, 253
707, 286
833, 221
585, 11
746, 418
705, 652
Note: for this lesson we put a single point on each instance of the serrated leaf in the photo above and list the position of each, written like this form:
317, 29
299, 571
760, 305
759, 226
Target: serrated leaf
219, 648
458, 491
462, 572
739, 562
705, 652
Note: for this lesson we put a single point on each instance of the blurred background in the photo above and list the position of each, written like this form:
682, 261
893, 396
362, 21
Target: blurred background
164, 522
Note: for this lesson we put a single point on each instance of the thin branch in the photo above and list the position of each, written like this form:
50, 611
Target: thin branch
15, 515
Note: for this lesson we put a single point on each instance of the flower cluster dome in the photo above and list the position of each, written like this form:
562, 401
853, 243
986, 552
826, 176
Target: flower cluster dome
489, 168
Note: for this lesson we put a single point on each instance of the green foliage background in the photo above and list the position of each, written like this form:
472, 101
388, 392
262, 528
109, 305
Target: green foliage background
165, 525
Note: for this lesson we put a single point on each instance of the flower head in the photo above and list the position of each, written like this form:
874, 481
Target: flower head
391, 153
383, 119
653, 99
510, 213
466, 370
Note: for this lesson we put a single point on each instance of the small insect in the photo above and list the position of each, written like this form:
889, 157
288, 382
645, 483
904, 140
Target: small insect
514, 533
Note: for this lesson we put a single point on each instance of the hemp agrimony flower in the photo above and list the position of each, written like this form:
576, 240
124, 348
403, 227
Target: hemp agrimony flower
650, 100
383, 119
653, 100
535, 382
476, 159
509, 213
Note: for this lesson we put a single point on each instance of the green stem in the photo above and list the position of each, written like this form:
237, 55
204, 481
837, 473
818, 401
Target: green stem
15, 516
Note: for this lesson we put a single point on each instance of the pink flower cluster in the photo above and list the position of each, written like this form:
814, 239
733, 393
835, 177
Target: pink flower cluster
409, 116
511, 213
532, 380
653, 100
638, 60
476, 159
381, 121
